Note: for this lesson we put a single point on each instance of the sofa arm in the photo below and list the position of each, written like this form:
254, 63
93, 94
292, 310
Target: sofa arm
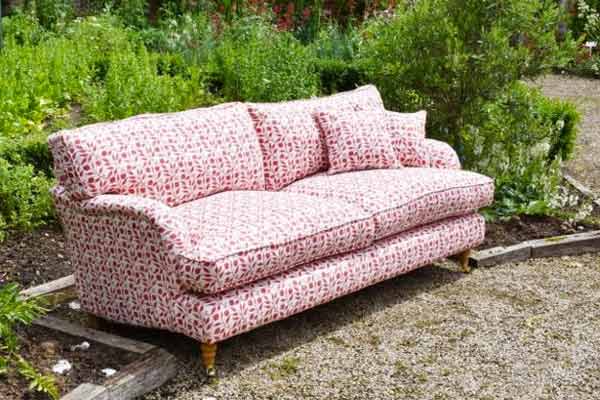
171, 229
441, 155
124, 250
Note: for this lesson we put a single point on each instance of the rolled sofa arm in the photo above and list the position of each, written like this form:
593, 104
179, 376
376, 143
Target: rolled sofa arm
441, 155
124, 251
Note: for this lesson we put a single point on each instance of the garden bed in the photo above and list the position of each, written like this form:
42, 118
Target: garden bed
44, 347
526, 227
33, 258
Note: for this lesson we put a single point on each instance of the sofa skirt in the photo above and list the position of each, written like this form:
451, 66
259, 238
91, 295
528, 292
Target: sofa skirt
213, 318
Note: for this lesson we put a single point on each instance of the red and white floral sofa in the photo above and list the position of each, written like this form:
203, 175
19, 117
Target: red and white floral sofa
211, 222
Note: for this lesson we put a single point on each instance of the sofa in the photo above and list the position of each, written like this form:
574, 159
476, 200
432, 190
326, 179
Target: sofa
214, 221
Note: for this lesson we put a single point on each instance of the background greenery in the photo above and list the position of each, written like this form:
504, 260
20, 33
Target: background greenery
462, 60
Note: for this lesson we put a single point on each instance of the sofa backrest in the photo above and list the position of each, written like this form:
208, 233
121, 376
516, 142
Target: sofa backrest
291, 141
174, 158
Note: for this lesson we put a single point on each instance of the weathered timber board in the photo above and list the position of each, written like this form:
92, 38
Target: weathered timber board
108, 339
578, 243
55, 292
151, 371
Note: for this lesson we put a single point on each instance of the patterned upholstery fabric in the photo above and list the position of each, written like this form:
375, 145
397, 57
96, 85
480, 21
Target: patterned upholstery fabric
441, 155
168, 224
124, 251
357, 141
173, 158
290, 139
291, 143
218, 317
400, 199
407, 131
239, 237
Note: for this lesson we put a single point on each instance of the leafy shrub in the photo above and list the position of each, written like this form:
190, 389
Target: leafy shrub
586, 19
188, 35
451, 57
254, 62
336, 51
93, 70
133, 86
24, 197
520, 140
51, 13
14, 311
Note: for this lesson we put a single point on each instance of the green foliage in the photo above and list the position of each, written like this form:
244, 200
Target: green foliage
586, 20
254, 62
459, 59
51, 13
93, 70
16, 311
190, 36
453, 56
520, 140
336, 51
133, 86
24, 199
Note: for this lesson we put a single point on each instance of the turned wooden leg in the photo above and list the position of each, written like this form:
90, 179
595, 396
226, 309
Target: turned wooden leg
209, 353
463, 259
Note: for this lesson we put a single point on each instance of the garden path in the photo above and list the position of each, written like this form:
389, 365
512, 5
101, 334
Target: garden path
519, 331
585, 92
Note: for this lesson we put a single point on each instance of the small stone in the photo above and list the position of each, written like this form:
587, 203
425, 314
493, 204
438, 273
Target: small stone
108, 372
75, 305
81, 346
61, 367
50, 347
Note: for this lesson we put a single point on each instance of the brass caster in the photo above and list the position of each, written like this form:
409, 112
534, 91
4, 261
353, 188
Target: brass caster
211, 373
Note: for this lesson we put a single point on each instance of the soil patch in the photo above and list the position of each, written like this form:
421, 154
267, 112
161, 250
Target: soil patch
525, 227
43, 348
33, 258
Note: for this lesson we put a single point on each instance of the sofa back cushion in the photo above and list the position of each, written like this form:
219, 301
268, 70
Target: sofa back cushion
173, 158
357, 141
408, 137
292, 144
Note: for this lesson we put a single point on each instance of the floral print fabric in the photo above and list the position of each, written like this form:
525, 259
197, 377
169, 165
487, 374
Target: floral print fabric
241, 236
357, 141
173, 158
292, 144
407, 131
218, 317
441, 155
399, 199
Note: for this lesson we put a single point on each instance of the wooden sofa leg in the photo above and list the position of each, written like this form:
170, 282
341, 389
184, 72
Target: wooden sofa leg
209, 353
463, 259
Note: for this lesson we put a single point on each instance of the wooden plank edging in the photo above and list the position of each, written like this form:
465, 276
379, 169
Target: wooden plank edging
105, 338
575, 244
55, 292
155, 368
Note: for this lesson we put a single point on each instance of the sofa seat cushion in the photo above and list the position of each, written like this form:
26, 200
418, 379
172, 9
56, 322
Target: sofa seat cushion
241, 236
399, 199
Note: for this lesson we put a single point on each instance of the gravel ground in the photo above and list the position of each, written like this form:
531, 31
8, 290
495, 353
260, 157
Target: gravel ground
585, 92
517, 331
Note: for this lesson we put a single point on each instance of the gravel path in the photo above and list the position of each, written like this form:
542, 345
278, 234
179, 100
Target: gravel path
517, 331
585, 92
